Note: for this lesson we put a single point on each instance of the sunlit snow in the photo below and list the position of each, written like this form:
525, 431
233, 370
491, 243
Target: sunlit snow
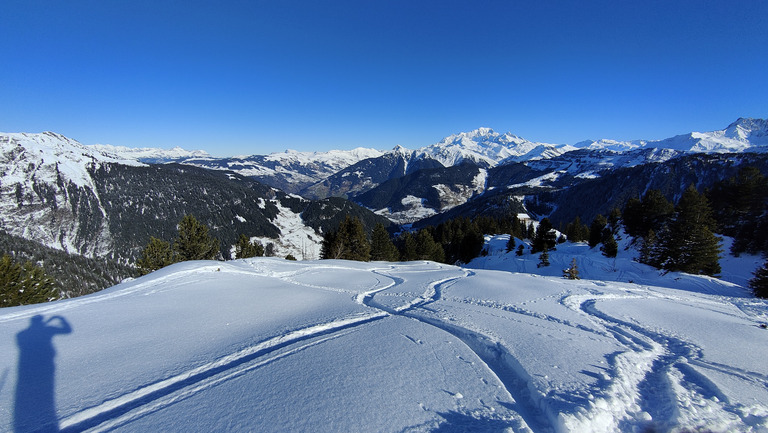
266, 344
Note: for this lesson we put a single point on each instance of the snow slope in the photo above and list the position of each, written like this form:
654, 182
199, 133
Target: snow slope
272, 345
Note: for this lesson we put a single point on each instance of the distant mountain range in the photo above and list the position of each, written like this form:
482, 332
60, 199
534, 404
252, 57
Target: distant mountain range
105, 201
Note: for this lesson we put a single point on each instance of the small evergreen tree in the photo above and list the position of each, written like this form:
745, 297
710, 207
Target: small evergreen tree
609, 248
543, 259
194, 242
759, 284
572, 273
382, 248
156, 255
520, 250
511, 243
290, 257
648, 250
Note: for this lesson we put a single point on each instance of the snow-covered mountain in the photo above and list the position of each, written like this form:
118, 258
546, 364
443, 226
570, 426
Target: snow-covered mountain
46, 191
89, 201
743, 135
274, 345
290, 171
150, 155
485, 147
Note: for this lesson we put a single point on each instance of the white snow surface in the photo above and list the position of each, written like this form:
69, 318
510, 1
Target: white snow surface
266, 344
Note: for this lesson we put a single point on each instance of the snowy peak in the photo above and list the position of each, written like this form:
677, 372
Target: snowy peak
151, 154
748, 129
743, 135
50, 157
487, 147
334, 159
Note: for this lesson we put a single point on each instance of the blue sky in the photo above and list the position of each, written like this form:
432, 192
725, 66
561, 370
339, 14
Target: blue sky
254, 77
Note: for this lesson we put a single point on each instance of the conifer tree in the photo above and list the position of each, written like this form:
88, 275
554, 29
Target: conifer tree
331, 248
648, 250
382, 248
520, 250
427, 248
24, 284
349, 242
356, 245
545, 237
596, 230
543, 259
471, 245
689, 245
650, 213
609, 248
194, 242
572, 273
156, 255
245, 248
511, 243
759, 284
408, 252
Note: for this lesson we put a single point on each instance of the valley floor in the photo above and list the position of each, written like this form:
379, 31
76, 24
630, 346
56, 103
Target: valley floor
273, 345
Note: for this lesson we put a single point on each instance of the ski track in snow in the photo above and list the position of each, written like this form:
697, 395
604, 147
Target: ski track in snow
150, 398
656, 377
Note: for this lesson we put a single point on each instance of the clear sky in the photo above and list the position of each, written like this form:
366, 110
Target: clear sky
254, 77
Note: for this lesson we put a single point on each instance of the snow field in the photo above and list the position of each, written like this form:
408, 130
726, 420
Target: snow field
266, 344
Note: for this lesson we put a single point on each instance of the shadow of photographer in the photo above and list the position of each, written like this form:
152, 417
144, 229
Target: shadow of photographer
35, 405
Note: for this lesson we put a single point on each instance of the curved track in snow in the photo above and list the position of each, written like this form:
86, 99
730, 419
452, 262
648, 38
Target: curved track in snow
654, 381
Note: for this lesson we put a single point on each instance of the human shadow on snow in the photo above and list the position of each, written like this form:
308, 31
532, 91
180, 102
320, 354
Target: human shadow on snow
35, 403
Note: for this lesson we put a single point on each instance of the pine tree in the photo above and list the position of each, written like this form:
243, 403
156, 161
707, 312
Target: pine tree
650, 213
408, 252
382, 248
331, 248
520, 250
572, 273
356, 245
511, 243
609, 248
194, 242
245, 248
543, 259
24, 284
596, 230
349, 242
427, 248
689, 245
545, 237
156, 255
471, 245
648, 250
759, 284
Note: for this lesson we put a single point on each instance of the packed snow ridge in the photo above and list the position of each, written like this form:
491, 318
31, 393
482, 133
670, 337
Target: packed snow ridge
267, 344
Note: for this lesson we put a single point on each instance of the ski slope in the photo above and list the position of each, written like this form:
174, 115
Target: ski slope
265, 344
